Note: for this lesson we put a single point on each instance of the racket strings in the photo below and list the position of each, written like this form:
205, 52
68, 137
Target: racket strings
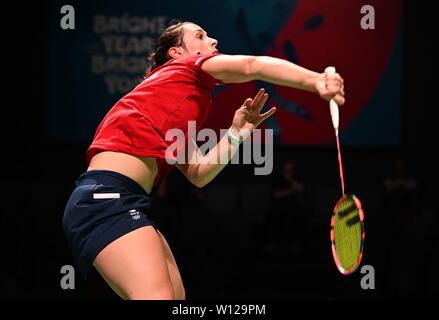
346, 210
347, 230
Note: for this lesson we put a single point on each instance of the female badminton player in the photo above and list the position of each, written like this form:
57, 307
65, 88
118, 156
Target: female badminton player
106, 219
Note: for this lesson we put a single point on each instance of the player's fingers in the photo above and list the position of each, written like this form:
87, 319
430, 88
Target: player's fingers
339, 78
258, 97
262, 102
267, 114
339, 99
247, 103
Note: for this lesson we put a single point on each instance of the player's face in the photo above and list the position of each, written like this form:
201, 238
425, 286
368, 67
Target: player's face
196, 41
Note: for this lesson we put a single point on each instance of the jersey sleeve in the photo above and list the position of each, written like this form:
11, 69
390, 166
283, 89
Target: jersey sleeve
197, 61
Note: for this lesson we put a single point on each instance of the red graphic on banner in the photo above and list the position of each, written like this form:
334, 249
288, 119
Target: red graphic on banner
359, 55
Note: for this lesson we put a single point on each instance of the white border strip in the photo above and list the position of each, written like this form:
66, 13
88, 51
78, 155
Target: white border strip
106, 195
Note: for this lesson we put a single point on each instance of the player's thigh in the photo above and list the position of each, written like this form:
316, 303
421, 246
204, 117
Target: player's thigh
135, 266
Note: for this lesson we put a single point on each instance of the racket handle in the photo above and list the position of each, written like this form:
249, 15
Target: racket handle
333, 107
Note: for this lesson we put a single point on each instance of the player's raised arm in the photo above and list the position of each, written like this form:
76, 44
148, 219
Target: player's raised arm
241, 68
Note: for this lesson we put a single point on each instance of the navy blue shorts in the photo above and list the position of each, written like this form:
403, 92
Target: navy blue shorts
104, 206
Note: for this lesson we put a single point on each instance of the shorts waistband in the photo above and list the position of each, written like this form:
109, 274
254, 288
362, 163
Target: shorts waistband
107, 177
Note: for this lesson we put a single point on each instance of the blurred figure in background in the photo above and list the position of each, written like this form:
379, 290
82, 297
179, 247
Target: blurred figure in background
401, 194
288, 221
404, 239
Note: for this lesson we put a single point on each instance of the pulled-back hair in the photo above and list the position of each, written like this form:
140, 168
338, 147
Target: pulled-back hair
171, 37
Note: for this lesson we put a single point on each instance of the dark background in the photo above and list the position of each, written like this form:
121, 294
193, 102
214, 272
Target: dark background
221, 251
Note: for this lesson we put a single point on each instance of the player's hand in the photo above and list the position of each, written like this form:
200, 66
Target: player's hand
249, 117
331, 86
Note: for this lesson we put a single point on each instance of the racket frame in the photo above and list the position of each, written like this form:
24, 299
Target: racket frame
332, 234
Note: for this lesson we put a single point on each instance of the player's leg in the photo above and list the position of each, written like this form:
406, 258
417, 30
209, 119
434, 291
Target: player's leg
174, 273
136, 267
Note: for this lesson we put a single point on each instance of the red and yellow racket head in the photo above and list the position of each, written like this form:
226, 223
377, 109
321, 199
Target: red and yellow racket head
347, 233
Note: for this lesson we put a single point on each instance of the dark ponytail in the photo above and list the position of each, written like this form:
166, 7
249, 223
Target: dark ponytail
171, 37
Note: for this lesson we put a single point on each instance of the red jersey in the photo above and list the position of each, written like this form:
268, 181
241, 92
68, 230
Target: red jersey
172, 94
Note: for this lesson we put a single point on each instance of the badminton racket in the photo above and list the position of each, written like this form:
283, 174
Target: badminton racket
347, 221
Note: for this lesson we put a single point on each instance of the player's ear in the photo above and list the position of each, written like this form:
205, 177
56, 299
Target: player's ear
175, 52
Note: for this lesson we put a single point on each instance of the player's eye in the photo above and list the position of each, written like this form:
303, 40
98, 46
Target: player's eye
200, 36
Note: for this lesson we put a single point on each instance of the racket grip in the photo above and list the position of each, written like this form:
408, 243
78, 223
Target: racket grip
333, 107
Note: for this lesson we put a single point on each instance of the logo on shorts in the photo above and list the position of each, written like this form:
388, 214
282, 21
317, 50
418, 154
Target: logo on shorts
135, 215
